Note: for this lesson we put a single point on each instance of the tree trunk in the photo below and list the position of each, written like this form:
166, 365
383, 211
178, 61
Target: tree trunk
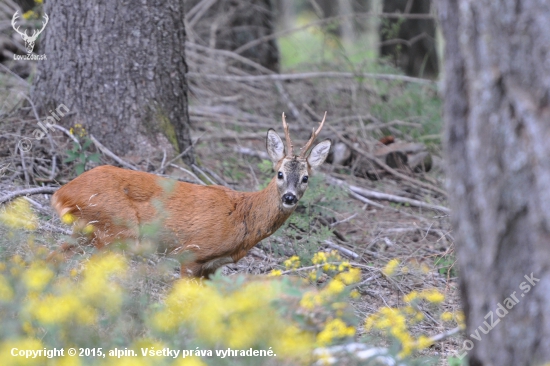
347, 32
121, 67
497, 112
230, 25
410, 42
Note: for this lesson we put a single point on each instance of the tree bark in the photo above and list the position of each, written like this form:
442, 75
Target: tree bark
496, 141
121, 67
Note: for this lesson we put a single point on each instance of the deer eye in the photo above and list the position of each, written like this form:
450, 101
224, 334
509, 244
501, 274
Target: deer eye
304, 179
280, 175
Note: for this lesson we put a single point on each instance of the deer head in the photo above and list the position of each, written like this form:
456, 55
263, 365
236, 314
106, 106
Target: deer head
29, 40
293, 171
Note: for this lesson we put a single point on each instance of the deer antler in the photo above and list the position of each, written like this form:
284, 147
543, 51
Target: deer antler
287, 137
314, 135
35, 34
25, 36
15, 16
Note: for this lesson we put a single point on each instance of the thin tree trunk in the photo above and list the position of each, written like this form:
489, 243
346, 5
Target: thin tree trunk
121, 67
346, 27
230, 25
410, 42
497, 117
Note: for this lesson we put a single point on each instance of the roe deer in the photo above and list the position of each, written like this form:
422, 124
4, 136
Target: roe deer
214, 224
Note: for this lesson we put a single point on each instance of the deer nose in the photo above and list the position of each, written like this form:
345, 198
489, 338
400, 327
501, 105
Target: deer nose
289, 199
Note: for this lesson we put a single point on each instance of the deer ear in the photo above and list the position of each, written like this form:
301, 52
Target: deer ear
318, 154
275, 147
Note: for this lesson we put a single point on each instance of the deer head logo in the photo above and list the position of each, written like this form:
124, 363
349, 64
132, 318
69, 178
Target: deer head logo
29, 40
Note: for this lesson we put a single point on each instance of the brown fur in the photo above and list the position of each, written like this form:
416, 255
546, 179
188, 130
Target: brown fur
209, 221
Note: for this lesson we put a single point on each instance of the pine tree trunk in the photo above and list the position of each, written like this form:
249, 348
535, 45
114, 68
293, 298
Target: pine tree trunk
121, 67
497, 113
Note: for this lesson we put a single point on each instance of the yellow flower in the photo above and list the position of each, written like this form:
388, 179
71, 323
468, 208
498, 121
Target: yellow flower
319, 257
275, 273
37, 276
59, 309
390, 267
311, 300
410, 297
27, 328
78, 129
29, 14
68, 218
446, 316
313, 276
334, 329
423, 342
433, 296
334, 287
354, 294
243, 318
88, 229
21, 344
351, 276
343, 266
293, 262
97, 286
370, 321
459, 317
19, 215
419, 316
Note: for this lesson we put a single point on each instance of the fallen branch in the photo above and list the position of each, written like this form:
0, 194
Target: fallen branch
367, 193
110, 154
365, 200
310, 75
397, 199
385, 166
341, 249
197, 179
29, 191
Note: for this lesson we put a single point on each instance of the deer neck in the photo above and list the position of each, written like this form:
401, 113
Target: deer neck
262, 213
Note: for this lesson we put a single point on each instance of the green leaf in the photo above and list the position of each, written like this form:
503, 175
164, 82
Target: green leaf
79, 169
70, 158
94, 157
86, 144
